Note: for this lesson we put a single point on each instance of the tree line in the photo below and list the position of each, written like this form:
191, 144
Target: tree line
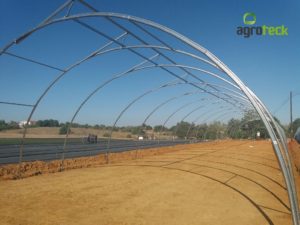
244, 128
8, 125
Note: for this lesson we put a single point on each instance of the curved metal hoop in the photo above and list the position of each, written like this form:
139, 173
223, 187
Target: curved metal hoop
278, 139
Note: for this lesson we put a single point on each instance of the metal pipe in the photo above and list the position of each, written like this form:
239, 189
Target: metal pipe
47, 90
139, 54
193, 122
169, 84
17, 104
34, 61
206, 118
133, 69
136, 99
172, 114
258, 106
291, 114
218, 118
188, 114
94, 92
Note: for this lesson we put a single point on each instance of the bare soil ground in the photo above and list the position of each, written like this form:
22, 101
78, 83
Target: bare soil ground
295, 152
228, 183
53, 132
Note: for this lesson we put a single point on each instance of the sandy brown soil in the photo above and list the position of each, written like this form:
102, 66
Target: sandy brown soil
229, 182
53, 132
28, 169
295, 150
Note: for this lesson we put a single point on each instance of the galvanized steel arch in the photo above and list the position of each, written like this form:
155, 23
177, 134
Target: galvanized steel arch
224, 113
151, 91
278, 139
139, 67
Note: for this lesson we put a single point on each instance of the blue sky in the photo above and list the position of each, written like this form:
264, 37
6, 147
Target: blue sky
268, 65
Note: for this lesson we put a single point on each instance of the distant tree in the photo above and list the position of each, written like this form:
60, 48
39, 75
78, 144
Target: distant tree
182, 129
106, 134
96, 126
295, 125
103, 127
234, 129
250, 129
284, 127
13, 125
137, 130
125, 129
250, 115
215, 131
278, 121
47, 123
192, 131
64, 129
173, 129
3, 125
147, 127
6, 126
116, 129
75, 125
159, 128
201, 130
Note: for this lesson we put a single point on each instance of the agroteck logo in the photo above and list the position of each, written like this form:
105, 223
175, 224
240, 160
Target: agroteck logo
247, 31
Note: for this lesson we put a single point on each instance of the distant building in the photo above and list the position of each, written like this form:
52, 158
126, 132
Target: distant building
24, 122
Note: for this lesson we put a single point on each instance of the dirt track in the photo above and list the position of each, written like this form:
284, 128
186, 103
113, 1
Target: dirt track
235, 182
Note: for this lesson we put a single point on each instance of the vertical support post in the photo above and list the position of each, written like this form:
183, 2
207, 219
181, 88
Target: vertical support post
291, 114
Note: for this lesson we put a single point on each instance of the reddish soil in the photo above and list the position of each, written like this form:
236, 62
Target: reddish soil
28, 169
227, 182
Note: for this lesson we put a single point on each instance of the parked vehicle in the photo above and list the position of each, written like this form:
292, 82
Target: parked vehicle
91, 139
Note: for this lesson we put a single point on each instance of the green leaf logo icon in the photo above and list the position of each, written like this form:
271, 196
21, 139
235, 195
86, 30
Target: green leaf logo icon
250, 21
